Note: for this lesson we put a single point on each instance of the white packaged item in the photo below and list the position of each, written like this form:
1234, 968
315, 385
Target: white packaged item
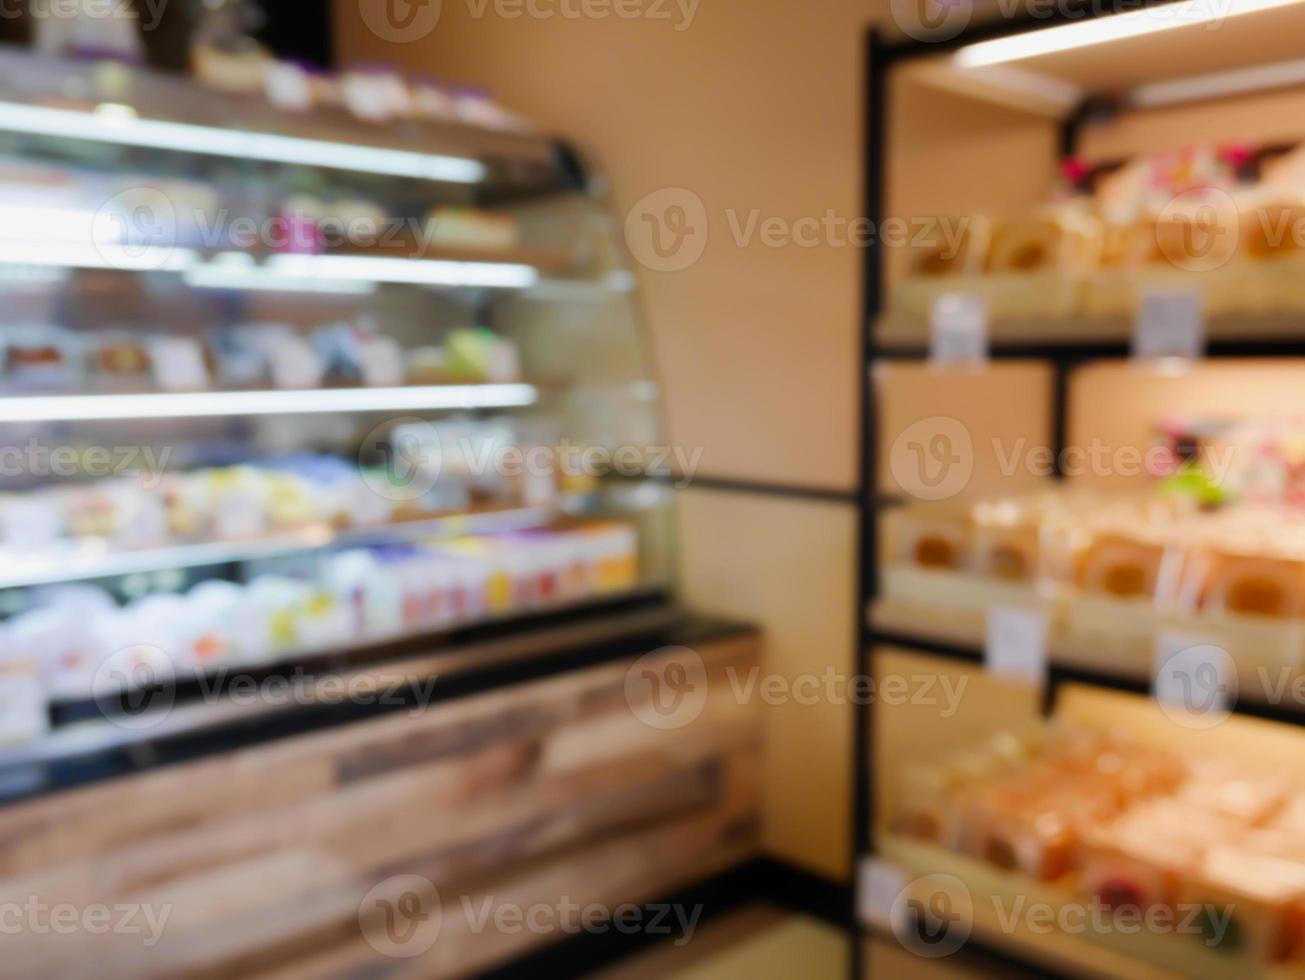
24, 708
31, 522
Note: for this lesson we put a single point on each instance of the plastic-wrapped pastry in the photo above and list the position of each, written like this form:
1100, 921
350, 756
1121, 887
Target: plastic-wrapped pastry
239, 68
1065, 242
1032, 829
965, 253
1221, 788
936, 538
1006, 538
1273, 230
1251, 903
40, 357
1258, 586
471, 228
122, 357
1120, 566
1291, 817
1142, 857
1194, 232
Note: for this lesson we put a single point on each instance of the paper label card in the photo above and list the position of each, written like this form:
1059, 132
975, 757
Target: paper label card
1017, 644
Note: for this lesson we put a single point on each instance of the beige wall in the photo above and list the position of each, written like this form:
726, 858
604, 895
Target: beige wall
755, 106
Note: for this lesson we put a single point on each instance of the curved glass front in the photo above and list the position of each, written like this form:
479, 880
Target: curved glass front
276, 385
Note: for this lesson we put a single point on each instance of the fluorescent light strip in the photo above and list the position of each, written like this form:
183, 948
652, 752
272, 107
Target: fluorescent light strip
421, 272
124, 128
143, 258
1217, 84
95, 408
1110, 27
256, 279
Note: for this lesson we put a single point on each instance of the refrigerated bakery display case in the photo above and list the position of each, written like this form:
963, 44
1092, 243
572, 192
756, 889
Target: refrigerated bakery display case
289, 389
1082, 493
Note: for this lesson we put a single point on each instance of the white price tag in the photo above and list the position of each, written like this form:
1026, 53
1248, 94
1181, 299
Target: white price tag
1170, 323
880, 885
1195, 681
1017, 645
958, 330
178, 364
23, 713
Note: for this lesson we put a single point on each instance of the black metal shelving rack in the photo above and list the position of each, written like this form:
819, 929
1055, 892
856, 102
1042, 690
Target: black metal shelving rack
881, 55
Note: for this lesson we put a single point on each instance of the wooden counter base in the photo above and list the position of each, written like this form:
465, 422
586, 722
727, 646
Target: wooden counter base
542, 795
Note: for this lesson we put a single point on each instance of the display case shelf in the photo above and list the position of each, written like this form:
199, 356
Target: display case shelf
110, 104
96, 558
901, 626
285, 401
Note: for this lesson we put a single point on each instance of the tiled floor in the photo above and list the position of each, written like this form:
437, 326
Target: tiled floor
758, 943
761, 942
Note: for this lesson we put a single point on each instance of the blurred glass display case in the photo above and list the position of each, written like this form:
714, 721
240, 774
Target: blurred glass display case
292, 390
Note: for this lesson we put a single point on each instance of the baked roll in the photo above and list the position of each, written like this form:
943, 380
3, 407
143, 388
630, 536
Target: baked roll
1064, 243
1120, 567
1254, 586
961, 252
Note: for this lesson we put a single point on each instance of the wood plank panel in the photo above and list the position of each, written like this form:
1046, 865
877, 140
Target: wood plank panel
256, 863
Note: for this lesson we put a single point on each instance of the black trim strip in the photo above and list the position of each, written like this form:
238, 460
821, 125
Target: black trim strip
824, 495
726, 484
1072, 353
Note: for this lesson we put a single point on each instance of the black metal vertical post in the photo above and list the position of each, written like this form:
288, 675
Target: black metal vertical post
867, 506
